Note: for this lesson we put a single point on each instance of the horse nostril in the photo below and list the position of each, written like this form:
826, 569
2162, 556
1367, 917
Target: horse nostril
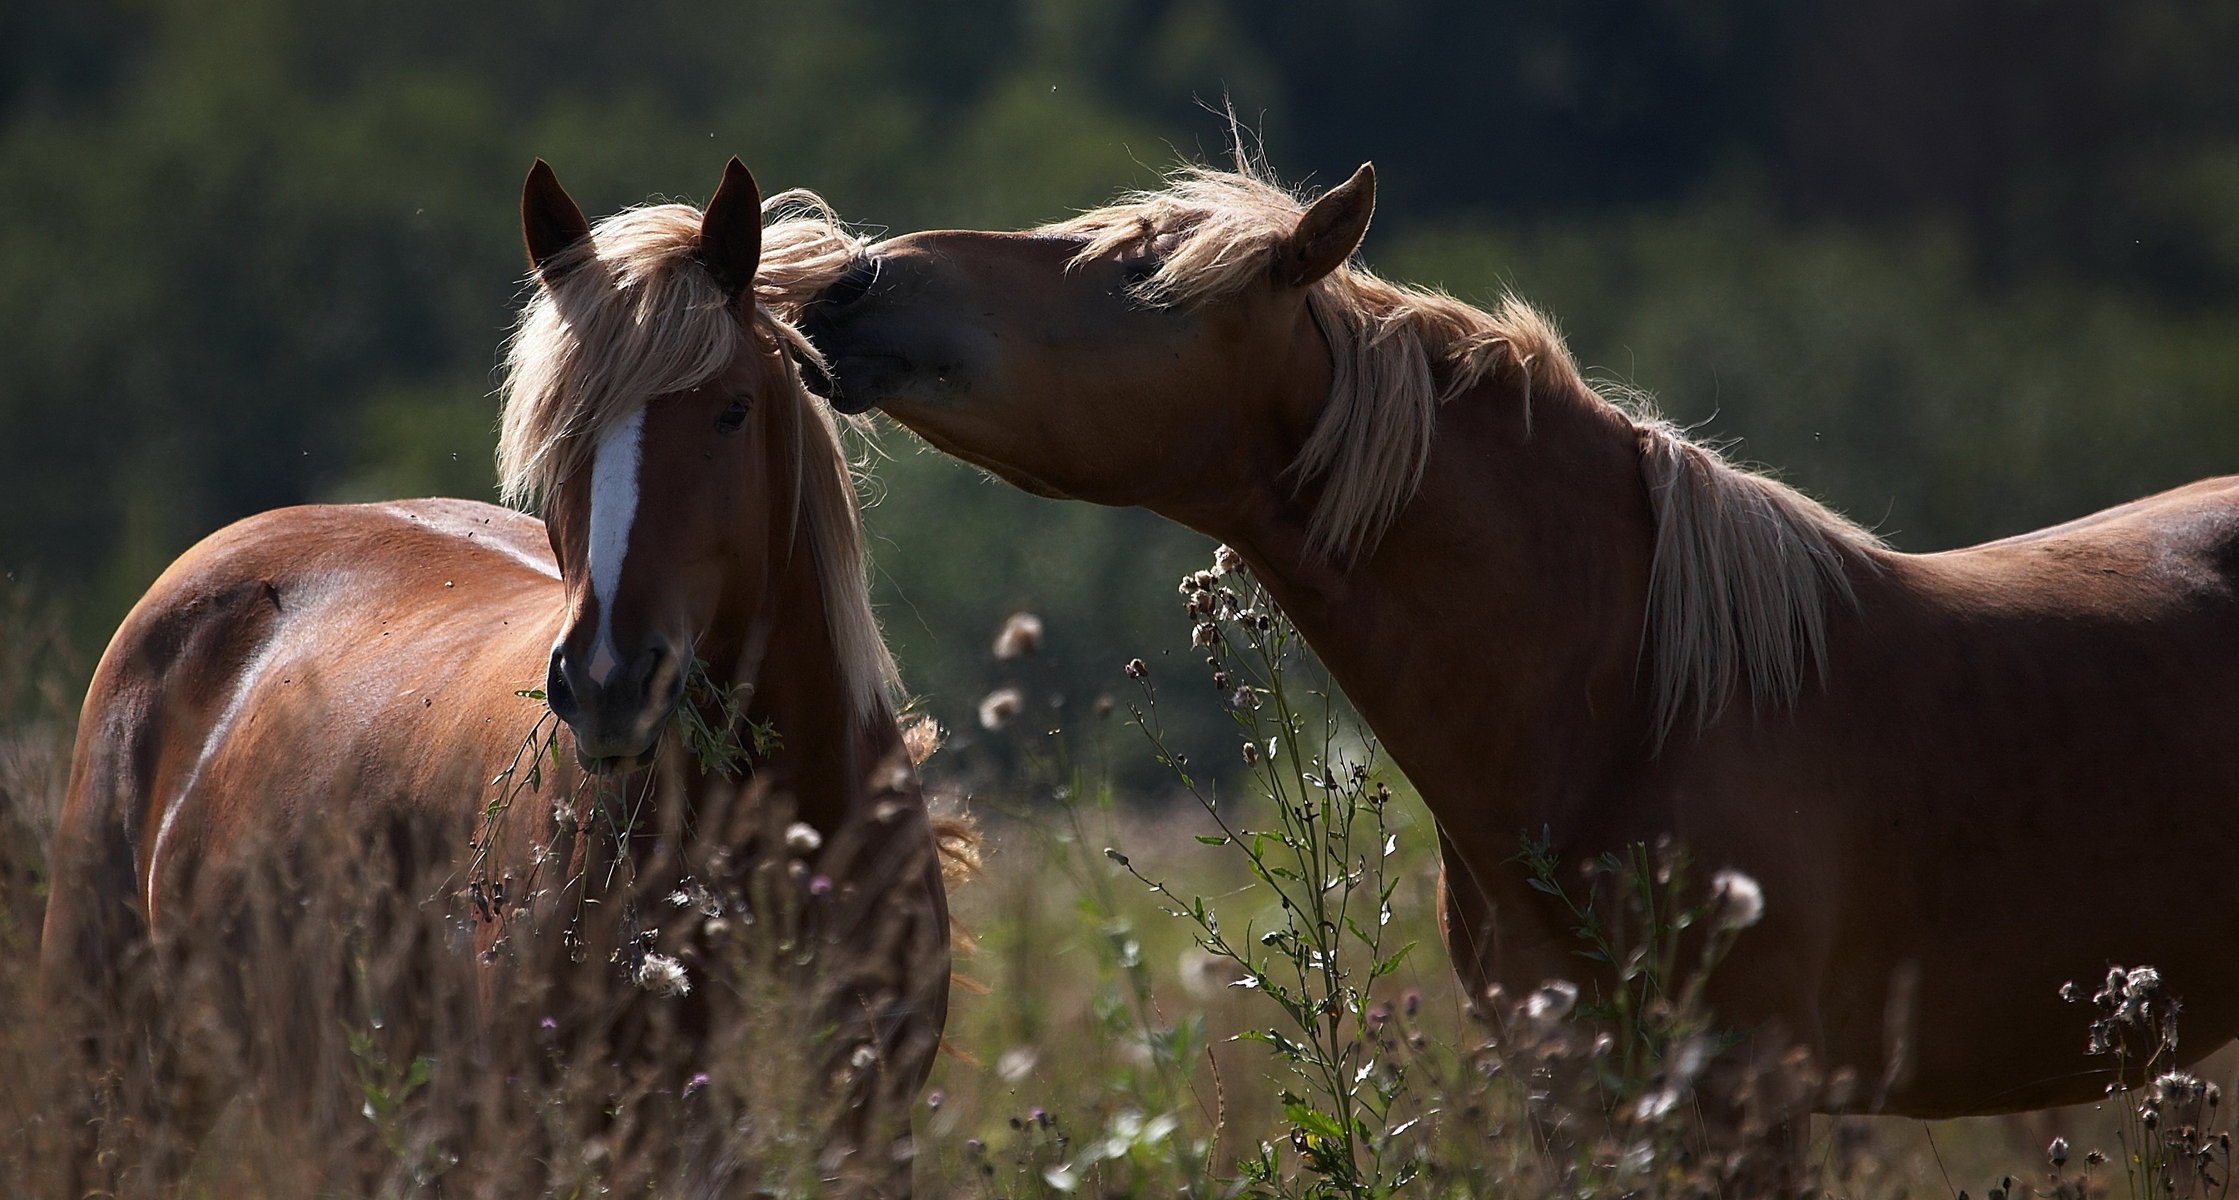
557, 694
661, 678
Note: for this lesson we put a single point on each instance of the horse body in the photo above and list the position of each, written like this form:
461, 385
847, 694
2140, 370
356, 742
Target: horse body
278, 667
315, 782
2003, 736
1987, 795
1961, 779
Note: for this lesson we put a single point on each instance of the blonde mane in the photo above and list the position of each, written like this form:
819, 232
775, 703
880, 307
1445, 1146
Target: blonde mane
633, 315
1744, 566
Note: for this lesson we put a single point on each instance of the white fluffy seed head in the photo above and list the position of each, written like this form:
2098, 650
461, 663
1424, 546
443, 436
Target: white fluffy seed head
1740, 902
663, 976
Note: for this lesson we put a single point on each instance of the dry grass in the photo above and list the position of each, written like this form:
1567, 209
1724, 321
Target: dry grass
1092, 1043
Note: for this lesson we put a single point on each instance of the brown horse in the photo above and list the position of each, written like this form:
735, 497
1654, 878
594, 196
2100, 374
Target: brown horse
314, 680
1961, 778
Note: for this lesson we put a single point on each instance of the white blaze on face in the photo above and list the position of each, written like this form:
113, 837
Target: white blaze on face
614, 473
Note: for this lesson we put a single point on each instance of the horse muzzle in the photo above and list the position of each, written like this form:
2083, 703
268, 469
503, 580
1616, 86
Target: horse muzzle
617, 720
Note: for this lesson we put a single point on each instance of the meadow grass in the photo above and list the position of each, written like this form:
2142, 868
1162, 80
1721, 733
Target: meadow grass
1232, 988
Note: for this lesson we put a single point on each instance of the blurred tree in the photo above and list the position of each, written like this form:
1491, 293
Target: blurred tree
1961, 270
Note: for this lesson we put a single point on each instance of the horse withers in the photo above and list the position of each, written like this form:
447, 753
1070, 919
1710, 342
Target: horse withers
1962, 778
326, 847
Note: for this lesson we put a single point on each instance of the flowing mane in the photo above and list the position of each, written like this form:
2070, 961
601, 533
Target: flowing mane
633, 315
1744, 565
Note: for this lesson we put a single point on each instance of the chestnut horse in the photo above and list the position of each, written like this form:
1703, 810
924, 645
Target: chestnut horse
1961, 778
308, 679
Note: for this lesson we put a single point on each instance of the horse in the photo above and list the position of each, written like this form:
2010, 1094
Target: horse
1961, 779
479, 707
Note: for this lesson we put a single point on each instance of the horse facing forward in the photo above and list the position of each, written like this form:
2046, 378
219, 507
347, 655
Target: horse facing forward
1962, 778
323, 692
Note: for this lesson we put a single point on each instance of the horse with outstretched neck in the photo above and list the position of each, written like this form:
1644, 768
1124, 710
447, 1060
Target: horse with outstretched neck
718, 784
1562, 615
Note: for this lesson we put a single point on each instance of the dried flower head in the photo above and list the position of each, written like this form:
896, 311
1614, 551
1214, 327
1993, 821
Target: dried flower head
802, 838
1553, 1001
1021, 635
1226, 560
1740, 903
1000, 707
663, 976
922, 737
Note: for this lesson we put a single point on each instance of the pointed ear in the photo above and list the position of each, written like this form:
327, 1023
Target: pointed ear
550, 221
731, 229
1329, 231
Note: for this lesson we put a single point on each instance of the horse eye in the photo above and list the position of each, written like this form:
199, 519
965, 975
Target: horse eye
733, 417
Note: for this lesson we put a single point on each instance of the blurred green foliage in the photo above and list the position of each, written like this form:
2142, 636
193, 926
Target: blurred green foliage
1960, 269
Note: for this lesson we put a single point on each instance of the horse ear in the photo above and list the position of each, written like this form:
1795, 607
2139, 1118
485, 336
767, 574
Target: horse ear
550, 221
731, 229
1329, 232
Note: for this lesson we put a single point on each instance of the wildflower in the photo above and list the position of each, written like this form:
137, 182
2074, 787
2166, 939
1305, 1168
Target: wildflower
821, 885
696, 895
1411, 1001
694, 1085
1245, 699
1205, 634
1226, 560
663, 976
1202, 972
933, 1099
1552, 1002
1135, 669
1654, 1105
863, 1058
802, 838
1251, 753
2058, 1152
1741, 903
1021, 636
1220, 681
999, 707
922, 736
1016, 1063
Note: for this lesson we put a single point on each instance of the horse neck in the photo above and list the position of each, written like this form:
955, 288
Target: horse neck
1506, 600
834, 759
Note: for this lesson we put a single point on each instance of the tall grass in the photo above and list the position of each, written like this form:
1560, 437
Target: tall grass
1229, 989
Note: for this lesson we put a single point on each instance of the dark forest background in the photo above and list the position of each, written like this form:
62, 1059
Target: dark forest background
1958, 269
